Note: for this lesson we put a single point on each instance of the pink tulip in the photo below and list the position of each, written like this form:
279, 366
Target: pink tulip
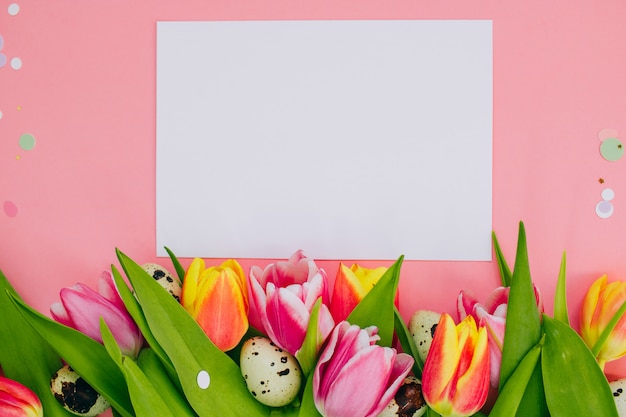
16, 400
282, 297
492, 315
356, 377
81, 308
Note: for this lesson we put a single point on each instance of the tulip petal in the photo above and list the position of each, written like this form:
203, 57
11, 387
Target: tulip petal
107, 289
465, 304
441, 361
190, 283
347, 292
288, 318
498, 297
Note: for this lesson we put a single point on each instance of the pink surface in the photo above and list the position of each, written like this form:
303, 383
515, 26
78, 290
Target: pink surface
86, 92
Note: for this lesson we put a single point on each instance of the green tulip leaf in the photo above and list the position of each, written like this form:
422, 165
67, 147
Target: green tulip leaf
523, 324
136, 312
560, 297
146, 399
211, 380
307, 355
408, 343
574, 383
307, 406
377, 307
511, 394
180, 271
505, 271
24, 355
86, 356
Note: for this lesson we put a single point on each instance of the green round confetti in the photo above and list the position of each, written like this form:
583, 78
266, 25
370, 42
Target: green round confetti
27, 141
612, 149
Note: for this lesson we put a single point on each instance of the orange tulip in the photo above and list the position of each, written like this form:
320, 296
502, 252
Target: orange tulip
217, 298
455, 380
351, 285
601, 303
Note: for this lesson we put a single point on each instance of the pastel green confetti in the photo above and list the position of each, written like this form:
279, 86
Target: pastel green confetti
27, 141
612, 149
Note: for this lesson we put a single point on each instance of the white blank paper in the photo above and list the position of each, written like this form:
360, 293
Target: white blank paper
347, 139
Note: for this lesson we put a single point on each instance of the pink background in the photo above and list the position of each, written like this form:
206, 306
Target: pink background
86, 91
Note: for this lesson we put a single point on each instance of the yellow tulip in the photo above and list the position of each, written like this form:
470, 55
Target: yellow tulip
217, 298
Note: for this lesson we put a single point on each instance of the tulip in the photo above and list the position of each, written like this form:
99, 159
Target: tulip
356, 377
81, 308
600, 304
351, 285
217, 299
16, 400
455, 380
492, 315
283, 304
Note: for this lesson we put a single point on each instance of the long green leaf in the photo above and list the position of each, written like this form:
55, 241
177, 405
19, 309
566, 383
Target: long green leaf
560, 297
377, 307
307, 355
408, 343
523, 324
180, 271
307, 406
505, 271
191, 352
574, 383
24, 355
86, 356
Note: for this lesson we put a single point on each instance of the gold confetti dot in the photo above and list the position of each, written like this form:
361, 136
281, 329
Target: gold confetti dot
601, 180
19, 108
18, 157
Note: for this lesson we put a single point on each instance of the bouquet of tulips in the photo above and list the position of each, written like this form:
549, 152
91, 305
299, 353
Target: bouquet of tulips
213, 341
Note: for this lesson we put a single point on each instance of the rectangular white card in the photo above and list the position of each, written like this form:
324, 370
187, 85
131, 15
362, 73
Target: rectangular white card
347, 139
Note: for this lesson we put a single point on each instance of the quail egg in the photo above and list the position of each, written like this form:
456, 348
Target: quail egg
619, 395
75, 394
272, 375
408, 401
422, 326
168, 281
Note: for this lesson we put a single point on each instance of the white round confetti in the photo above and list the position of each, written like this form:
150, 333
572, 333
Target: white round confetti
203, 379
0, 115
16, 63
13, 9
604, 209
607, 194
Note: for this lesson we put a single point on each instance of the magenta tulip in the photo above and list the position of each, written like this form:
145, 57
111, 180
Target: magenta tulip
282, 297
492, 315
16, 400
356, 377
82, 308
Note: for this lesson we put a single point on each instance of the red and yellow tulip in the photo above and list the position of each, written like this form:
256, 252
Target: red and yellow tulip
16, 400
217, 298
455, 381
351, 285
601, 303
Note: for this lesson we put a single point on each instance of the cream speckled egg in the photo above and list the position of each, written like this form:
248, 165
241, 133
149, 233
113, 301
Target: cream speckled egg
272, 375
168, 281
422, 327
619, 394
408, 401
76, 395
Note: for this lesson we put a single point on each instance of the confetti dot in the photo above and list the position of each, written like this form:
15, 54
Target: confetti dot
604, 209
16, 63
0, 115
27, 141
611, 149
13, 9
608, 194
203, 379
10, 209
3, 60
1, 42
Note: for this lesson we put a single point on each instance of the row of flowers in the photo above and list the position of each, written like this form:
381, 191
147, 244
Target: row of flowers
277, 341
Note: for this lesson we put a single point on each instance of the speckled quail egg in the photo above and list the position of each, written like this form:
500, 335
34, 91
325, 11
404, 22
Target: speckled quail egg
408, 401
75, 394
168, 281
422, 326
272, 375
619, 394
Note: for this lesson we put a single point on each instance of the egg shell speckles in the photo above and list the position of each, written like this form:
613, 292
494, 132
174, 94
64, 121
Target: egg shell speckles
619, 394
75, 395
168, 281
409, 395
272, 375
422, 327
